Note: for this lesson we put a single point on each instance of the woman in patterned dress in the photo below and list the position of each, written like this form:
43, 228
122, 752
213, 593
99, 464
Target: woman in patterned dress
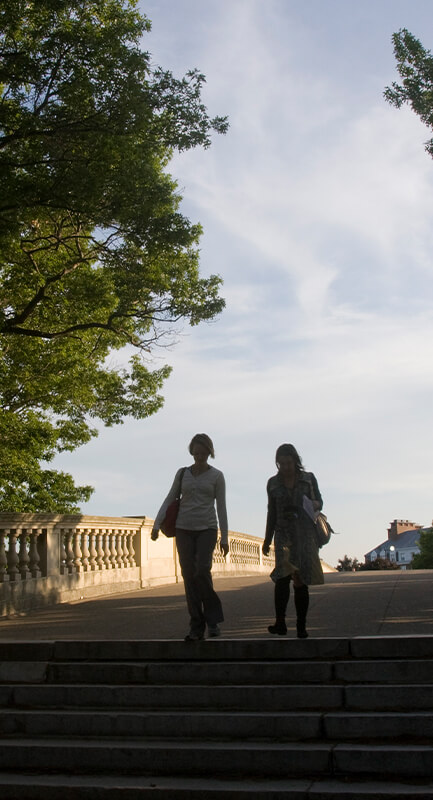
293, 497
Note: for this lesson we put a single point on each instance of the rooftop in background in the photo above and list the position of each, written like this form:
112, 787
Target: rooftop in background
399, 526
408, 538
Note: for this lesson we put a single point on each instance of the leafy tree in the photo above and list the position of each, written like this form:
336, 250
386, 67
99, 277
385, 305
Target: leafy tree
347, 564
424, 559
415, 66
95, 254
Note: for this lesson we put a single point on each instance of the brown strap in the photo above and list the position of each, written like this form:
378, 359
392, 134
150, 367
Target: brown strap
179, 492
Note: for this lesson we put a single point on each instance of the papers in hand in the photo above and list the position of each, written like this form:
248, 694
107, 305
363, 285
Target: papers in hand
309, 508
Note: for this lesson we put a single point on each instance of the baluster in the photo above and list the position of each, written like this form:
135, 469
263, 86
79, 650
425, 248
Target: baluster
70, 566
130, 548
100, 565
119, 549
13, 559
122, 551
92, 551
24, 559
85, 553
63, 556
3, 557
107, 551
232, 551
77, 551
113, 551
125, 549
34, 557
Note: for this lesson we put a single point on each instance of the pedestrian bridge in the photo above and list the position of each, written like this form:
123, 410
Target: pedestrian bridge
56, 558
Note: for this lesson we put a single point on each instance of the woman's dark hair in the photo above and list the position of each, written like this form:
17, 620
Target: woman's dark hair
289, 450
205, 440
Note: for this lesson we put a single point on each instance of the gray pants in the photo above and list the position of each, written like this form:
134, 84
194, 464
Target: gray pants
195, 549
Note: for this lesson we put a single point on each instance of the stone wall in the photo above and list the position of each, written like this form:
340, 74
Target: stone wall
56, 558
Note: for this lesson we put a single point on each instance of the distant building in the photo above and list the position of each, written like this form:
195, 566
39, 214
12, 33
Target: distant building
401, 545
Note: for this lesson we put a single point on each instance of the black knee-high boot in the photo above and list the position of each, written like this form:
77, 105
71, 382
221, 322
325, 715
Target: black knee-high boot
302, 599
281, 598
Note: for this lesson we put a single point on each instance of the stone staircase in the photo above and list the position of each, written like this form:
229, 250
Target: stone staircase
266, 718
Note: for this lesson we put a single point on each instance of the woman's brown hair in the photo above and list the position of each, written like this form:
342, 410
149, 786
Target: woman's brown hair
205, 440
289, 450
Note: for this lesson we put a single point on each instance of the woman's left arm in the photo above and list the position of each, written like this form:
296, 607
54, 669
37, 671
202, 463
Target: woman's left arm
316, 496
220, 497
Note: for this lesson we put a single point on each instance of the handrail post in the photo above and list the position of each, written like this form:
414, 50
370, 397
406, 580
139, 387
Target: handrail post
47, 542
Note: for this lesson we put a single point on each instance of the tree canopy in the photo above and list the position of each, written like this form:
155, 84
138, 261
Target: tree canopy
424, 559
347, 564
415, 67
378, 564
95, 254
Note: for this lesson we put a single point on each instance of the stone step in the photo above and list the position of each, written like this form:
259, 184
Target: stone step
165, 757
217, 759
389, 648
195, 673
269, 649
287, 726
370, 697
384, 761
219, 672
390, 671
135, 787
243, 698
221, 649
15, 786
405, 697
23, 671
312, 719
347, 726
185, 725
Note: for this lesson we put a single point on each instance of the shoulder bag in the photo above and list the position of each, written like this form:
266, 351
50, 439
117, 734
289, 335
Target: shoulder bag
168, 524
323, 528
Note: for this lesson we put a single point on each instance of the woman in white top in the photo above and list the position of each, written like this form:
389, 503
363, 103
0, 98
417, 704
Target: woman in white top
196, 534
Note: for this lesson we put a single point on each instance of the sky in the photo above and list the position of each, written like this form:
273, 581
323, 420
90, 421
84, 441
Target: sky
317, 210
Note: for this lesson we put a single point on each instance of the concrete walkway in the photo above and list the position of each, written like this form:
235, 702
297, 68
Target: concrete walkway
347, 605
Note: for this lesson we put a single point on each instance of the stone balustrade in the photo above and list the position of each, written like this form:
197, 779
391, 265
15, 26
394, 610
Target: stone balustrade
55, 558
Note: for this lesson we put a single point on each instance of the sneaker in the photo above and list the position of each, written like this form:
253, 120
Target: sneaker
213, 631
193, 637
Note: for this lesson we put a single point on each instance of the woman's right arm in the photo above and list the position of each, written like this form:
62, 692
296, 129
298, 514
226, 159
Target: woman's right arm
173, 493
270, 522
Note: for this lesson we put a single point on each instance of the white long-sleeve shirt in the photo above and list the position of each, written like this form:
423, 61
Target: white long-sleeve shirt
197, 504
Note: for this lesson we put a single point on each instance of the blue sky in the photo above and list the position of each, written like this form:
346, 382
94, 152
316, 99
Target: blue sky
317, 208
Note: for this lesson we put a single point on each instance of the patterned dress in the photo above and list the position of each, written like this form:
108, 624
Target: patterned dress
296, 547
